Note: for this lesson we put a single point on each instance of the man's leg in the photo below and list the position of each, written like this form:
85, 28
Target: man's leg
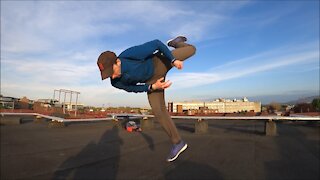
157, 99
157, 103
183, 51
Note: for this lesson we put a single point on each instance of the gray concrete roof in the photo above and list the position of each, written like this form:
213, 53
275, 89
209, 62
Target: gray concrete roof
231, 150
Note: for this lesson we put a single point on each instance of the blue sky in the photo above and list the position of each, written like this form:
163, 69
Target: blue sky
267, 51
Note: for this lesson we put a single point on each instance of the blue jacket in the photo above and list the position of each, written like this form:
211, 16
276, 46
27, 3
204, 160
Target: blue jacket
137, 66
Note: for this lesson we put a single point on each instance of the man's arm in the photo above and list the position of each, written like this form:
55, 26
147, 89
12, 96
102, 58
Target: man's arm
129, 88
159, 84
147, 49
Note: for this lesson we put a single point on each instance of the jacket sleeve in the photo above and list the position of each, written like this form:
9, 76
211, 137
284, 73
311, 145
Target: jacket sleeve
129, 88
146, 50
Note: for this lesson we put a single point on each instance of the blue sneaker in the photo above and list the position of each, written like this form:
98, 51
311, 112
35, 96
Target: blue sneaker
173, 42
176, 150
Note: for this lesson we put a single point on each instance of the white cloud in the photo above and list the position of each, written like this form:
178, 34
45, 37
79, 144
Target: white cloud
46, 26
196, 29
265, 61
39, 26
56, 72
91, 95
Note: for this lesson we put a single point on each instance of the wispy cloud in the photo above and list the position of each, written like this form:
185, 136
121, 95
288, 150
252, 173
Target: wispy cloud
46, 26
70, 69
265, 61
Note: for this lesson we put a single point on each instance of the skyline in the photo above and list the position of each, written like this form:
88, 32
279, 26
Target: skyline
244, 48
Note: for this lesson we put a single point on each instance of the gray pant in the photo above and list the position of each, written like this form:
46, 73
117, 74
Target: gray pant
156, 98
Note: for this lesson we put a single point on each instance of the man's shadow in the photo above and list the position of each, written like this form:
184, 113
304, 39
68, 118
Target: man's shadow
97, 160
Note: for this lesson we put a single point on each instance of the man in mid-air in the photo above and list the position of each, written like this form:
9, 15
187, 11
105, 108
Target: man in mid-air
143, 68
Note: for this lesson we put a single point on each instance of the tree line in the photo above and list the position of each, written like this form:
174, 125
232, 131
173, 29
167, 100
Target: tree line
314, 106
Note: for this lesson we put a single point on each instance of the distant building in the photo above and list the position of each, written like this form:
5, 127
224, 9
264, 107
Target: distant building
216, 106
24, 103
73, 106
7, 102
47, 103
15, 103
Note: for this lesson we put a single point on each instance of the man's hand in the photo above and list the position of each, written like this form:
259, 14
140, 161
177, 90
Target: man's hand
160, 84
178, 64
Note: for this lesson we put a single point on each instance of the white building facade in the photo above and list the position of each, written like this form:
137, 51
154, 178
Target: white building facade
217, 106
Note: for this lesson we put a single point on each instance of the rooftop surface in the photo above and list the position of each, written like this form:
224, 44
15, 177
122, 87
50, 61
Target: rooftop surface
231, 149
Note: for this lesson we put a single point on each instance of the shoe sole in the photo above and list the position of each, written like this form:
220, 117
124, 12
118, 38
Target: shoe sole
181, 150
175, 38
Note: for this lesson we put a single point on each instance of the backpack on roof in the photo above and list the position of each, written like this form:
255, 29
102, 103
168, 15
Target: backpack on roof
132, 126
